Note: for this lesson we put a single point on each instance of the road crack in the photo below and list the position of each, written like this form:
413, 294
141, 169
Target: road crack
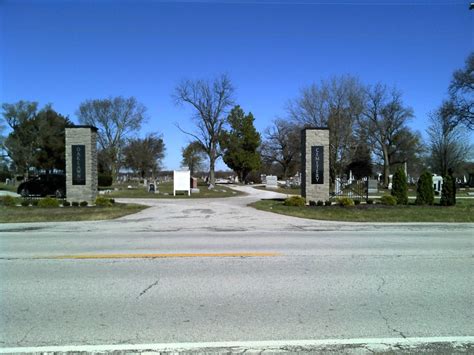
379, 289
390, 327
147, 289
19, 343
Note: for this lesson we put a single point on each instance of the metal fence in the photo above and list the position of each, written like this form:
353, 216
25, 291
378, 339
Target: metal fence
355, 189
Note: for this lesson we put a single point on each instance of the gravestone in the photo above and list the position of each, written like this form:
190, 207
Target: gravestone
271, 182
372, 186
194, 186
81, 164
315, 164
437, 184
152, 188
181, 181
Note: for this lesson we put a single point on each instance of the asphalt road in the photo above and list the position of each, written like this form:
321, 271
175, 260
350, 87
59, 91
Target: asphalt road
305, 280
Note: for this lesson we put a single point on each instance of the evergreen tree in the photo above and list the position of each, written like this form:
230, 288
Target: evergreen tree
144, 156
448, 193
425, 190
400, 187
240, 143
361, 162
37, 137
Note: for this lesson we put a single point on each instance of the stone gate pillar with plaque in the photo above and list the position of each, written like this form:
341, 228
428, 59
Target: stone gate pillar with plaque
81, 164
315, 164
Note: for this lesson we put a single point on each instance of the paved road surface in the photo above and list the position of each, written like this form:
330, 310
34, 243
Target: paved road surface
320, 280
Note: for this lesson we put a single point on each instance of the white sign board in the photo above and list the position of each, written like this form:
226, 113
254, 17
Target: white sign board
271, 182
181, 181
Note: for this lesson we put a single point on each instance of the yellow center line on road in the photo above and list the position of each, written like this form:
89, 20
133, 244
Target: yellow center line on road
152, 256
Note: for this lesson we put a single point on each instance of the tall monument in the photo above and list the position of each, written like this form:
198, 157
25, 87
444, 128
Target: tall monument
315, 164
81, 164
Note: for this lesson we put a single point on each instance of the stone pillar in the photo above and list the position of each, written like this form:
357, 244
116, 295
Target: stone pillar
81, 164
315, 164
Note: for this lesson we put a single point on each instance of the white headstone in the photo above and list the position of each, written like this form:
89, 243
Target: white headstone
271, 182
437, 184
181, 181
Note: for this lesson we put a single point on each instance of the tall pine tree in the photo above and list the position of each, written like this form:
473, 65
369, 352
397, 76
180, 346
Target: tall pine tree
239, 144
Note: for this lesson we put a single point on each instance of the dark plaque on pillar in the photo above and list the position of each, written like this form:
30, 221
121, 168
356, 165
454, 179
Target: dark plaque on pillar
317, 164
78, 164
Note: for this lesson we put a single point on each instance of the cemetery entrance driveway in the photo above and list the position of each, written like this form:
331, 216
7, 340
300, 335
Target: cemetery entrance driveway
215, 214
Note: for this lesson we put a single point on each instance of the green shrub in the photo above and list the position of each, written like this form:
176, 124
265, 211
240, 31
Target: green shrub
312, 203
295, 201
105, 180
34, 203
112, 200
448, 192
83, 204
48, 202
25, 203
320, 203
388, 200
345, 201
424, 189
66, 203
75, 204
400, 187
4, 175
328, 203
370, 202
356, 202
8, 201
103, 202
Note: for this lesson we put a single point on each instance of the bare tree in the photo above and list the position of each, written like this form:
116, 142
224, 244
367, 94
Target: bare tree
19, 112
460, 106
210, 101
384, 120
448, 142
282, 146
193, 157
337, 104
116, 118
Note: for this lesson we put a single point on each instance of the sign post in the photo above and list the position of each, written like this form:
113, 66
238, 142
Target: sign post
315, 164
81, 164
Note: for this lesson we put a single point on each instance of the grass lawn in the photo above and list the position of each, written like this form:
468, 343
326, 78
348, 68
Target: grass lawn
166, 191
20, 214
5, 187
460, 192
462, 212
282, 190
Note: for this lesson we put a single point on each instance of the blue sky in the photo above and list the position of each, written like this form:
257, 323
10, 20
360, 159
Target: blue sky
64, 52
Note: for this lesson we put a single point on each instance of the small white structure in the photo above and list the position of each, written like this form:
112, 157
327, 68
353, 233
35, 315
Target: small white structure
181, 181
390, 181
338, 187
271, 182
351, 177
437, 184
